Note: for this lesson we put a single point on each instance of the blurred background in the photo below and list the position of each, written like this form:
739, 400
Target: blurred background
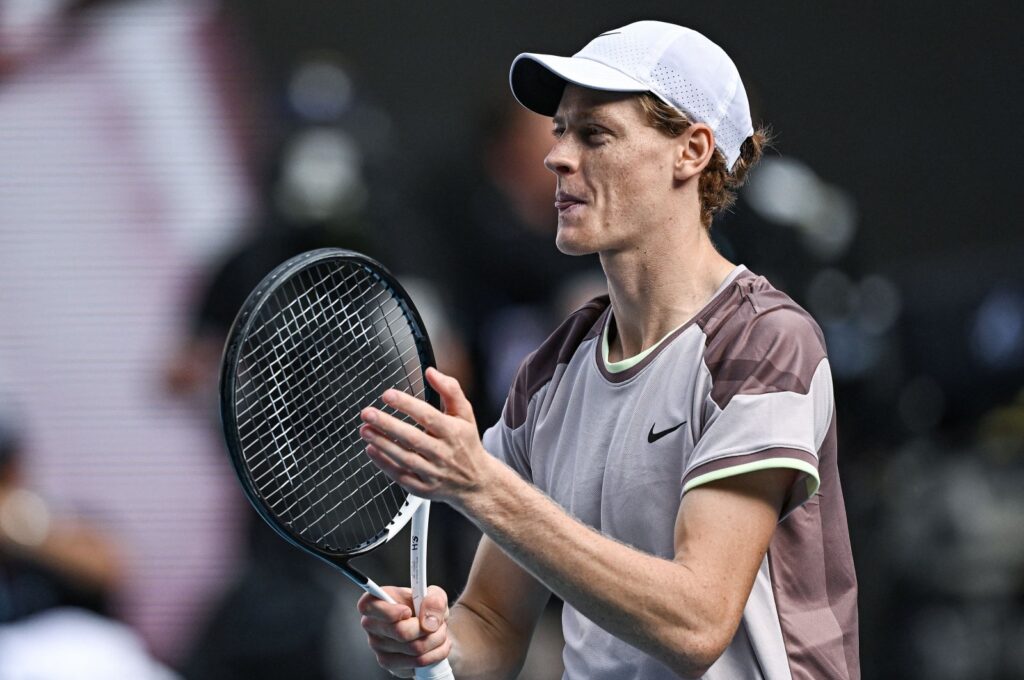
158, 157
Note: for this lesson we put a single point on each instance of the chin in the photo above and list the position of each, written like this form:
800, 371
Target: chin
573, 238
571, 246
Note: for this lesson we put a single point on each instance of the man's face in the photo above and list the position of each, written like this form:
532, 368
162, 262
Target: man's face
614, 172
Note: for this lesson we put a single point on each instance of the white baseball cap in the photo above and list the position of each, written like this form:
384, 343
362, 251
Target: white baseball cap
677, 65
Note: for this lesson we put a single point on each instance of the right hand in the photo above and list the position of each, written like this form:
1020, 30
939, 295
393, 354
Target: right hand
401, 640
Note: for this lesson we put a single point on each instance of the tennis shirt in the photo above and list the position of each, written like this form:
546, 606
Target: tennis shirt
743, 386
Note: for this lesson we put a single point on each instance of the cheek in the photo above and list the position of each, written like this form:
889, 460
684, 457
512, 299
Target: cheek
633, 185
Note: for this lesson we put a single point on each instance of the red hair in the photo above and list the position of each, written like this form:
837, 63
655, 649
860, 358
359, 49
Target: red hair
717, 186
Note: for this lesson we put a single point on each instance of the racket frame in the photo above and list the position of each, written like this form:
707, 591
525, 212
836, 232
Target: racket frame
413, 505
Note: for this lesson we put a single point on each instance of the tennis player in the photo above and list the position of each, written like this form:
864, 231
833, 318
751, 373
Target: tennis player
666, 460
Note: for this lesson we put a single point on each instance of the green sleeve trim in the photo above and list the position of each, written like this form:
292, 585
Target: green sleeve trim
812, 480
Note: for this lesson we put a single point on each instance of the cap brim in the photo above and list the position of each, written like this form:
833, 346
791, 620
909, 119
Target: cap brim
538, 80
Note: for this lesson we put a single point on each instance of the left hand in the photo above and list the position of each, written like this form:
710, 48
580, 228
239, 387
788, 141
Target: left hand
401, 640
445, 460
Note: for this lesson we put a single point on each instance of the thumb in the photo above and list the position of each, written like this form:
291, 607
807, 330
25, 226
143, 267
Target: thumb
454, 400
434, 610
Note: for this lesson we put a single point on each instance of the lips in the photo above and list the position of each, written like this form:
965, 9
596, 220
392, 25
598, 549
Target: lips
564, 201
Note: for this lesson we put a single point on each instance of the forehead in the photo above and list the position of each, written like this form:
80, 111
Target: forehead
578, 102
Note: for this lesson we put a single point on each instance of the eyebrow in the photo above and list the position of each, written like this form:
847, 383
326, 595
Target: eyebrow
587, 116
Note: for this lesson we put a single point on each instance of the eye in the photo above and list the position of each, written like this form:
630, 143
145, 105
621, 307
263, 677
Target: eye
558, 132
593, 134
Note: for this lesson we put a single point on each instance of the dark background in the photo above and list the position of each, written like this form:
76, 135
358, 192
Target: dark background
911, 106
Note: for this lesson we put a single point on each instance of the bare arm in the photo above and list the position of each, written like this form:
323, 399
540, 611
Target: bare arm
683, 611
492, 623
485, 635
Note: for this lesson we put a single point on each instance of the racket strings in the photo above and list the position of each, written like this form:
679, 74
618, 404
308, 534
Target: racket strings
306, 406
261, 476
332, 343
321, 393
362, 489
359, 486
281, 332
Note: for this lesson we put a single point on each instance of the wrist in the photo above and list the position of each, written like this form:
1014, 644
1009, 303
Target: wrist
476, 497
493, 500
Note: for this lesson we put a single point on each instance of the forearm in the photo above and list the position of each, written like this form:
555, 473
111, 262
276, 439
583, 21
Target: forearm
493, 621
655, 604
479, 649
683, 611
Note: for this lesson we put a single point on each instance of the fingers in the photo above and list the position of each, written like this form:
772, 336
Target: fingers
454, 400
435, 462
405, 460
434, 609
410, 436
398, 663
397, 464
397, 637
415, 641
393, 621
428, 417
376, 608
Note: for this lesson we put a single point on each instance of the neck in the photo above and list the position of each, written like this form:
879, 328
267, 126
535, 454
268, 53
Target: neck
660, 284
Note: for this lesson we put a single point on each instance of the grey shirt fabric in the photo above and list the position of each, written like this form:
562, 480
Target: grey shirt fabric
745, 385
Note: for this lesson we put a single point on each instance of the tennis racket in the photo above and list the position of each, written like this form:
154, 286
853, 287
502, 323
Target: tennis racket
322, 337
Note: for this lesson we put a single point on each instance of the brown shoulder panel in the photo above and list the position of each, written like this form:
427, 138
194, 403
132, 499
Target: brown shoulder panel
539, 366
818, 607
760, 341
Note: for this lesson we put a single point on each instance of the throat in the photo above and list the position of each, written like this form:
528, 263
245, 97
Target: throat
618, 357
630, 337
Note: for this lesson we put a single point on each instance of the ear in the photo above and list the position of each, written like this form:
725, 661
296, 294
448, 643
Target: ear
693, 151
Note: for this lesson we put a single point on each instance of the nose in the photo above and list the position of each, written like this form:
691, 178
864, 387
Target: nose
560, 159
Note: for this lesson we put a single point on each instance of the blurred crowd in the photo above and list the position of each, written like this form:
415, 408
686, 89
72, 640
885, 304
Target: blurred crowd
150, 181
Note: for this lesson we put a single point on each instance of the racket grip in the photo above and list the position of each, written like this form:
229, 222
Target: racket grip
439, 671
418, 573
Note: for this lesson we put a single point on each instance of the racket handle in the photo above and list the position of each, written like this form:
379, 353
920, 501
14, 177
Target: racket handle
439, 671
378, 592
418, 573
418, 554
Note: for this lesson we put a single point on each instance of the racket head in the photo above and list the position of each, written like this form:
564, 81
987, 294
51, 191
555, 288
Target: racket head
322, 336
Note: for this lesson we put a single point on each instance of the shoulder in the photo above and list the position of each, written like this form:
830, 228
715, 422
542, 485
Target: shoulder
540, 365
758, 339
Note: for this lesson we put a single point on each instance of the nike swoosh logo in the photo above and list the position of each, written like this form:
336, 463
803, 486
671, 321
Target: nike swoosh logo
653, 436
609, 33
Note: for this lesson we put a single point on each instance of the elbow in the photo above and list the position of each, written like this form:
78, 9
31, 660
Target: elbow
694, 652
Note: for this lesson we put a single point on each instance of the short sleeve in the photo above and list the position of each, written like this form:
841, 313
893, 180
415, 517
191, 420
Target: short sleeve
509, 439
508, 445
769, 403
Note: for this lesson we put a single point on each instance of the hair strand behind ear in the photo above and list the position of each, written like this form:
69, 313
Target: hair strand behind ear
717, 185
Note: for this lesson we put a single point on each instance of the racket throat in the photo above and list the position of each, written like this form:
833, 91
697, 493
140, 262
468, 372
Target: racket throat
364, 582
